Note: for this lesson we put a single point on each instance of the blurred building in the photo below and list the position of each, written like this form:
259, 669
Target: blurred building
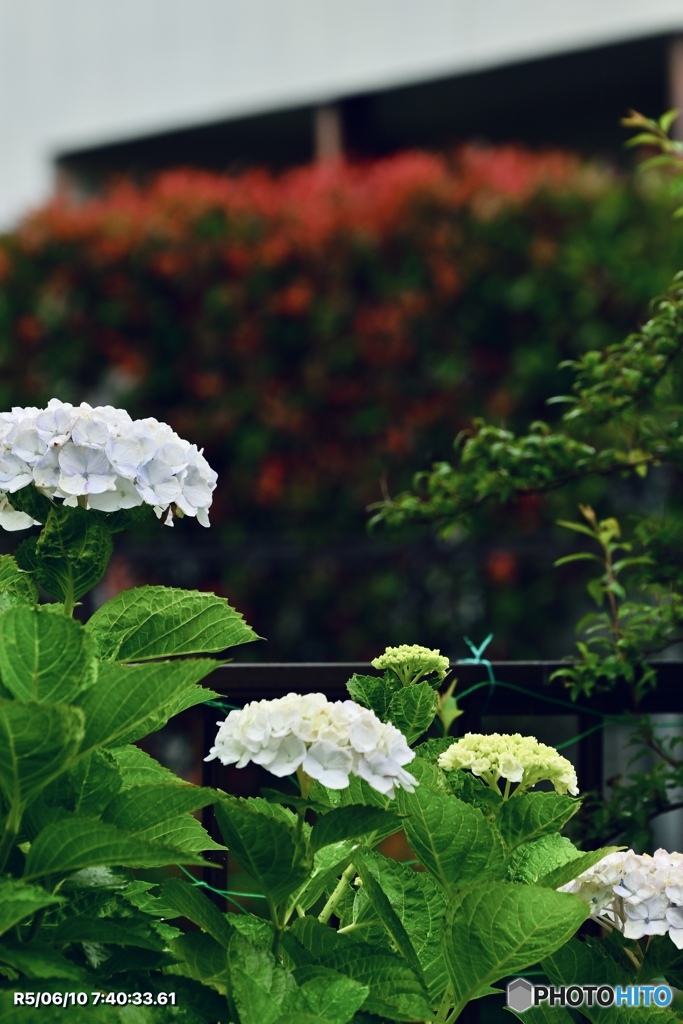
89, 87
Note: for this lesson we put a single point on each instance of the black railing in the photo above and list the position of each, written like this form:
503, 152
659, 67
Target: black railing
491, 692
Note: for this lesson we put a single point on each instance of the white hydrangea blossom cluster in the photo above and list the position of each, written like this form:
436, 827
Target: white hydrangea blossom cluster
515, 758
636, 893
410, 662
102, 459
328, 740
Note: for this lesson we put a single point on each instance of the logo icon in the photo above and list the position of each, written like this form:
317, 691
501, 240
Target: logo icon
520, 994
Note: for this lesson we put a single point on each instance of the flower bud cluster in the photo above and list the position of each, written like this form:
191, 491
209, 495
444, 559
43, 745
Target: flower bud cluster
636, 893
517, 759
411, 662
328, 740
102, 459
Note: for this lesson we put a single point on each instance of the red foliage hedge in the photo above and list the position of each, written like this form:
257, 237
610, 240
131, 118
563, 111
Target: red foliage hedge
318, 331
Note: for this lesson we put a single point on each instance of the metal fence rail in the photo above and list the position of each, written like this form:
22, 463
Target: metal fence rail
501, 698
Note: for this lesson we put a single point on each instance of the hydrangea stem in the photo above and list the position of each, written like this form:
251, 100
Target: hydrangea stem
10, 833
304, 781
329, 908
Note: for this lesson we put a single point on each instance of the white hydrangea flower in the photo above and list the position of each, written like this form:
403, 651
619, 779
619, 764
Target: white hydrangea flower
515, 758
99, 458
637, 894
410, 662
328, 740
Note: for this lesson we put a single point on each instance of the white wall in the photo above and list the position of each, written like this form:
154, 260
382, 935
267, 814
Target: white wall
78, 73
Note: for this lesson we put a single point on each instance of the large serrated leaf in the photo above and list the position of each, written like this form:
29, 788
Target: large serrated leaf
86, 788
269, 849
395, 990
183, 833
44, 656
189, 902
413, 709
202, 959
138, 809
421, 906
76, 842
328, 864
531, 815
38, 960
258, 983
19, 900
160, 813
500, 928
16, 585
32, 502
453, 840
70, 555
351, 822
137, 768
128, 697
373, 692
385, 912
323, 997
531, 861
572, 869
160, 622
37, 743
124, 932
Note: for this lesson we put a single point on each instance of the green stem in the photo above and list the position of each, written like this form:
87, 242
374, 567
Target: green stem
445, 1003
10, 833
329, 908
304, 781
278, 928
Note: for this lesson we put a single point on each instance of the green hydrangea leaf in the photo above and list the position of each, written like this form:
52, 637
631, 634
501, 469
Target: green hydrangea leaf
37, 743
570, 869
18, 900
45, 656
413, 709
323, 997
531, 861
187, 900
453, 840
77, 842
160, 622
258, 983
420, 905
138, 768
383, 908
508, 927
530, 815
354, 821
16, 585
202, 959
269, 849
38, 960
128, 699
396, 992
70, 555
373, 693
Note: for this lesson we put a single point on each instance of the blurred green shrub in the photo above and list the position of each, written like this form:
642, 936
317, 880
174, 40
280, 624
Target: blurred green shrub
324, 331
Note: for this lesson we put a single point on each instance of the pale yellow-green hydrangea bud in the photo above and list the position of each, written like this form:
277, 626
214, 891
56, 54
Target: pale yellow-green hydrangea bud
515, 758
411, 662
